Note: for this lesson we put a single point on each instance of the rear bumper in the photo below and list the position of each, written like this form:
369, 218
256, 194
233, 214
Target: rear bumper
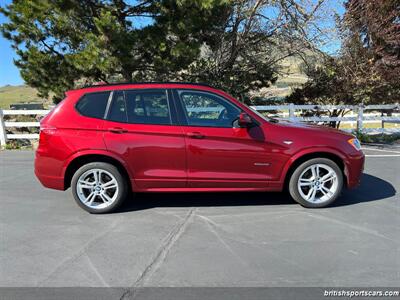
354, 170
56, 183
46, 170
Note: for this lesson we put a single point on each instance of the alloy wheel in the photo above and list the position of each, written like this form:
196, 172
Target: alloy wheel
318, 183
97, 188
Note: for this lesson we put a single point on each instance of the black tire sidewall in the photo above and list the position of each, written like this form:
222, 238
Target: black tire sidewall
295, 177
122, 186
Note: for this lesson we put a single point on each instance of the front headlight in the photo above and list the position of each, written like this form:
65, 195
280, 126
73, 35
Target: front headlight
355, 143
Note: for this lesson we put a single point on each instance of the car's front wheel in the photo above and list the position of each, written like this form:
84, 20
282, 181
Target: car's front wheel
98, 187
316, 183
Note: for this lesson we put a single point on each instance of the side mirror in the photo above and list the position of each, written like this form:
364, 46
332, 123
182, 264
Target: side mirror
244, 120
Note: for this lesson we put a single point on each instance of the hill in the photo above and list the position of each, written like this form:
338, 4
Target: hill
10, 94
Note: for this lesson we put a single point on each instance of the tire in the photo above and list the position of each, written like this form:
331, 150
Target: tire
102, 196
316, 191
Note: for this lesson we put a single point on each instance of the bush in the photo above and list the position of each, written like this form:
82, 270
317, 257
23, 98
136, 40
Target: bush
377, 138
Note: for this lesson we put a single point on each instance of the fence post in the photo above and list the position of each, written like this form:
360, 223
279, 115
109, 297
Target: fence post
3, 133
291, 112
360, 112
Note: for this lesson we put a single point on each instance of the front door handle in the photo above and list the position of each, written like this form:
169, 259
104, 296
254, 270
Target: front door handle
117, 130
195, 135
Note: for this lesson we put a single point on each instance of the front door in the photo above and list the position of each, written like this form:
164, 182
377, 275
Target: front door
220, 154
140, 127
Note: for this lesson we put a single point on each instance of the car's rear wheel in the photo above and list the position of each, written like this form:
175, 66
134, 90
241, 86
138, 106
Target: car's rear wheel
99, 187
316, 183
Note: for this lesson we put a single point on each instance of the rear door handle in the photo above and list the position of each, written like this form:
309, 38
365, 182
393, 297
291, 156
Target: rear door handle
117, 130
195, 135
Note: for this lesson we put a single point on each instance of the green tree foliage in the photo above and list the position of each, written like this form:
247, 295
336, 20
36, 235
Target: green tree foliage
233, 44
63, 43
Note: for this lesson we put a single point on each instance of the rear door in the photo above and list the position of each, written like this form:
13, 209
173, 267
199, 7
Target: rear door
141, 127
219, 153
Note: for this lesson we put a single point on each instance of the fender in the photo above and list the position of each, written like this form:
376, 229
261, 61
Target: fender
310, 150
98, 152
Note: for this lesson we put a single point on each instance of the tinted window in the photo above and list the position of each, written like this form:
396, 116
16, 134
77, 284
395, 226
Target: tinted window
205, 109
93, 105
147, 107
118, 111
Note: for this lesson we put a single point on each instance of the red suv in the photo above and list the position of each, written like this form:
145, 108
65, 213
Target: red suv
106, 141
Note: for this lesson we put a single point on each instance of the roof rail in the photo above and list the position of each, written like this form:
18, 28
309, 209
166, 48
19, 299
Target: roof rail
145, 82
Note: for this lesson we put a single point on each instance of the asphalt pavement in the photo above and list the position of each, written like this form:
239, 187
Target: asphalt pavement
200, 240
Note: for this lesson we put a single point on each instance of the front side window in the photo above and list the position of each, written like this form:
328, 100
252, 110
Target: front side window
140, 107
206, 109
93, 105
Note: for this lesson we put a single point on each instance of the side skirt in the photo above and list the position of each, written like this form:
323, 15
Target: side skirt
211, 190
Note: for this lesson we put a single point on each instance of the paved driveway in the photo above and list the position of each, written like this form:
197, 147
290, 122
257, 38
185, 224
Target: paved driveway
231, 239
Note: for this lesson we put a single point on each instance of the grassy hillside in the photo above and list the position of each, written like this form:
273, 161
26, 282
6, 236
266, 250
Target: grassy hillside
18, 94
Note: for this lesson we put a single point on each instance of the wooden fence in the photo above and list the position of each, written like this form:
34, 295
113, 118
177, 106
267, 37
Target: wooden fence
359, 115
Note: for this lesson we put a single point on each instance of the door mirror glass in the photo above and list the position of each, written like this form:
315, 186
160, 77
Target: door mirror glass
244, 120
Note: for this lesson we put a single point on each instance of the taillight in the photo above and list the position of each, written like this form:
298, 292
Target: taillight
48, 129
45, 132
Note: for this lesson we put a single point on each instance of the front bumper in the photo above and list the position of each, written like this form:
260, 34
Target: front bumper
354, 169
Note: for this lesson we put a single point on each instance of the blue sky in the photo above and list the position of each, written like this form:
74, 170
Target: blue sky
9, 74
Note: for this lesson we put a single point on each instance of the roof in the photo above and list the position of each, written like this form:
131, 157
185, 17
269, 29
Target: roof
144, 85
147, 82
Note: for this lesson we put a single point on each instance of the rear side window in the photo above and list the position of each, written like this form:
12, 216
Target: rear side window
93, 105
118, 111
141, 107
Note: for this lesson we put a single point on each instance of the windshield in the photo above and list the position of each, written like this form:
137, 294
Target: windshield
259, 114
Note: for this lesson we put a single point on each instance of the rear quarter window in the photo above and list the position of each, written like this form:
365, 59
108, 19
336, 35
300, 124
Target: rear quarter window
93, 105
